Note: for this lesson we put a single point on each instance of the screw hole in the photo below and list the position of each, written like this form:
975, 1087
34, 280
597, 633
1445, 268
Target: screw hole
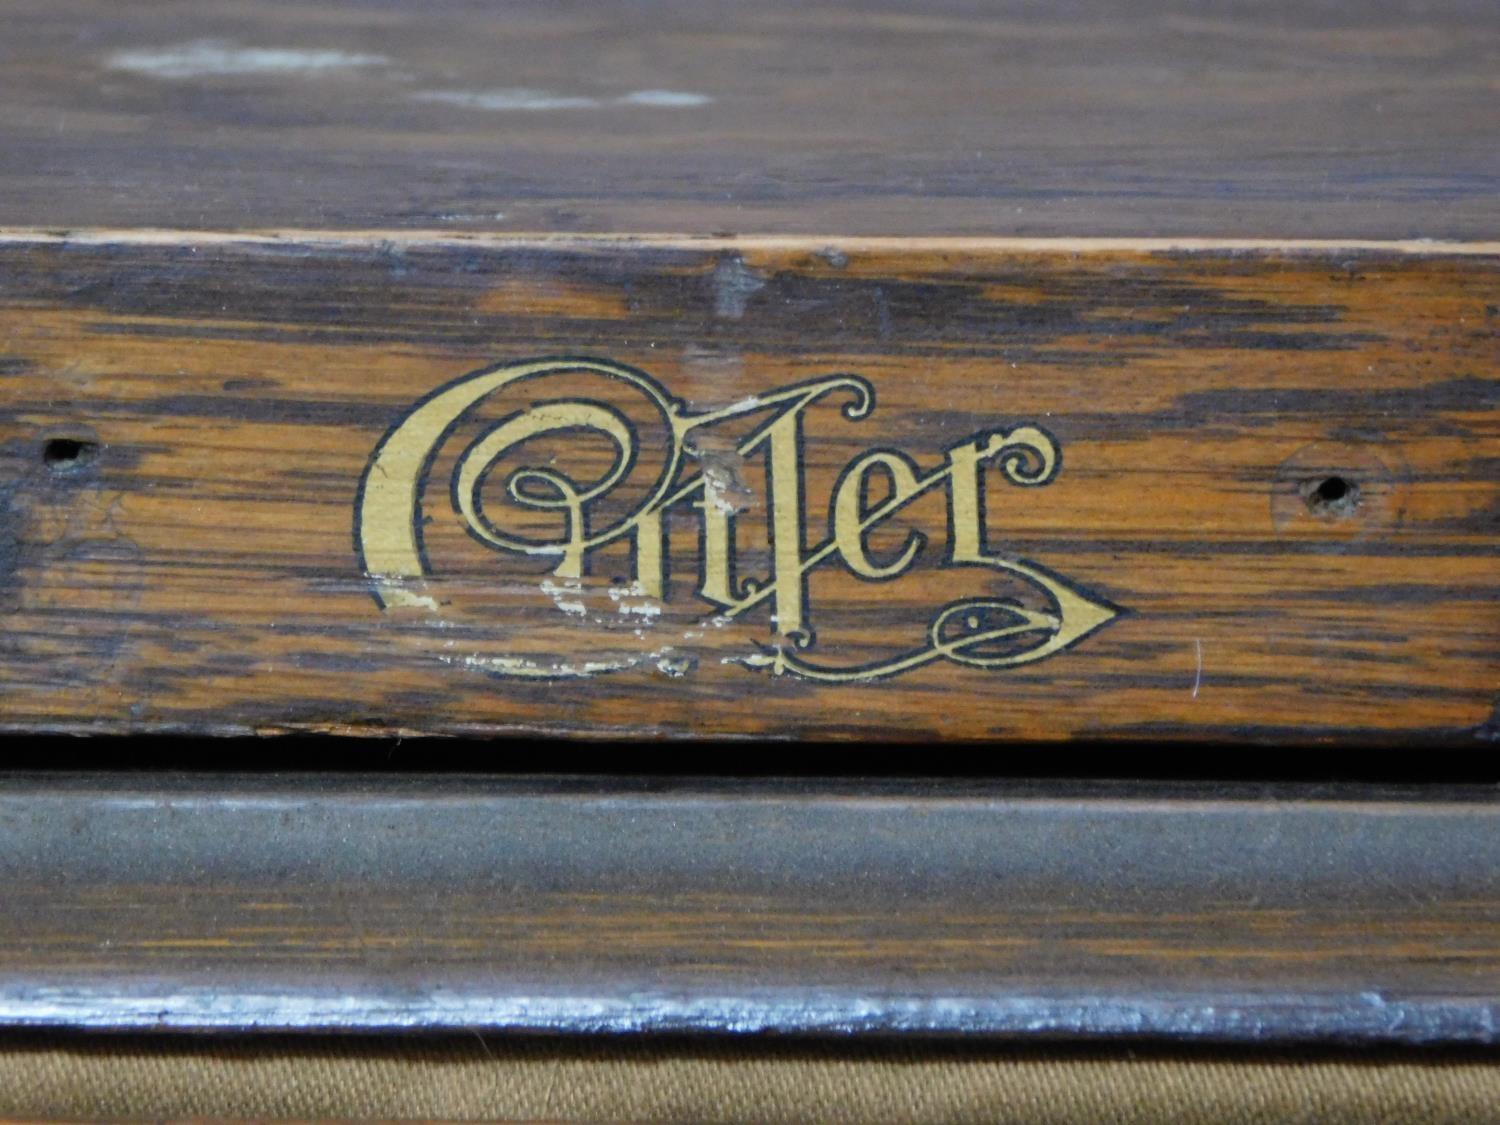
1331, 496
1333, 490
63, 455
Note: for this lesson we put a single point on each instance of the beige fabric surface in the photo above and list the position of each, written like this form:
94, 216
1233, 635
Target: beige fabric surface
730, 1080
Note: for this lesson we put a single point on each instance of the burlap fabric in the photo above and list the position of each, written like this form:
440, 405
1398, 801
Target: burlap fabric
729, 1080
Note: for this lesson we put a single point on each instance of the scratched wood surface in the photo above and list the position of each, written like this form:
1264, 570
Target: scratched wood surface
1272, 118
255, 483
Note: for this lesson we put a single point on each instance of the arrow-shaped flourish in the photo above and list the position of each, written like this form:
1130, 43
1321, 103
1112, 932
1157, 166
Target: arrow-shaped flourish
970, 632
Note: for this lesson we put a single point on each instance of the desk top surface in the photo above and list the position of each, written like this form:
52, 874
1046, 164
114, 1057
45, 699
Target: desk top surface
1286, 119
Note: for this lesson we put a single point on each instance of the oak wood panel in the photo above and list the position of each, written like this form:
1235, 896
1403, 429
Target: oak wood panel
1248, 912
186, 423
1004, 117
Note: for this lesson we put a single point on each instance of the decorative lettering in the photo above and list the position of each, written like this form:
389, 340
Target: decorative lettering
983, 632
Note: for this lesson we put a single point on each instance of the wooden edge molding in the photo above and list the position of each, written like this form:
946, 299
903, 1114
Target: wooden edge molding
1239, 912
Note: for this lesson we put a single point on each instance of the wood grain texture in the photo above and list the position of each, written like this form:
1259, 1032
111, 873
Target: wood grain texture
1084, 117
185, 423
1243, 913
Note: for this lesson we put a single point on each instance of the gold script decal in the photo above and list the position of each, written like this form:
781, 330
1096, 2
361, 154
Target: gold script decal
983, 632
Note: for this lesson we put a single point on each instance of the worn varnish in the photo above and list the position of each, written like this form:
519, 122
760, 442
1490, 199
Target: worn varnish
1109, 491
1277, 118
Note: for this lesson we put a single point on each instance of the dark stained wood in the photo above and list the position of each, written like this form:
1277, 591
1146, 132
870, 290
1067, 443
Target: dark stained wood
254, 254
1240, 913
1086, 117
185, 425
